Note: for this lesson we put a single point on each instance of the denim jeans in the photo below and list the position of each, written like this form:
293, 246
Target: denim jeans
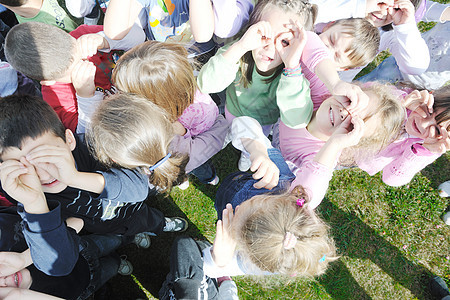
205, 173
387, 71
238, 187
186, 279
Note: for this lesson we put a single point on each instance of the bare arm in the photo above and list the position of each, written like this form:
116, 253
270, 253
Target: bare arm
120, 17
201, 18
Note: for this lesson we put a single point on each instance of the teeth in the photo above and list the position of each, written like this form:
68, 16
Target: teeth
16, 279
331, 117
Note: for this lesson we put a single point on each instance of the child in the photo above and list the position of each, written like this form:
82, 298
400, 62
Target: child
108, 201
316, 149
44, 11
184, 22
141, 135
426, 139
70, 69
161, 72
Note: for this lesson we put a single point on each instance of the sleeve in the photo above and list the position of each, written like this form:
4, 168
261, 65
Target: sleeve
124, 185
408, 47
414, 158
61, 97
247, 127
54, 247
314, 178
199, 116
213, 271
217, 74
434, 11
203, 146
348, 75
294, 101
332, 10
230, 16
133, 38
80, 8
86, 108
314, 52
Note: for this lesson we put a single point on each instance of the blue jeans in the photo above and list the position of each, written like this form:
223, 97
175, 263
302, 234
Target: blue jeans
387, 71
205, 173
238, 187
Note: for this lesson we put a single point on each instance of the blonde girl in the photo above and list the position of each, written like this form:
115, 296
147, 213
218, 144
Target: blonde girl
131, 132
162, 73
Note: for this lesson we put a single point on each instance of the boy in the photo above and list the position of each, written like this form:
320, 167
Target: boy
44, 11
108, 201
71, 71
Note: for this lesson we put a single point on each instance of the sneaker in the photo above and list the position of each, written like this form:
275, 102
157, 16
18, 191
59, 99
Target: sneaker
175, 224
439, 288
184, 185
444, 189
142, 240
125, 267
244, 163
215, 181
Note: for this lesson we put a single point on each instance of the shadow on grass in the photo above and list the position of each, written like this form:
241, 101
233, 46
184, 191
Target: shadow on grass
439, 171
151, 265
355, 239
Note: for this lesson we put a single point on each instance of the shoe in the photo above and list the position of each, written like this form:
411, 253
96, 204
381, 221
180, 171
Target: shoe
175, 224
125, 267
184, 185
438, 287
444, 189
446, 218
142, 240
215, 181
244, 163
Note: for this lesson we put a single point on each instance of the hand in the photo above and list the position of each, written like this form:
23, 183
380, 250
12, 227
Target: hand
224, 245
57, 161
355, 99
89, 44
83, 75
265, 169
419, 102
438, 141
345, 136
20, 181
12, 262
402, 12
290, 45
75, 223
178, 128
258, 35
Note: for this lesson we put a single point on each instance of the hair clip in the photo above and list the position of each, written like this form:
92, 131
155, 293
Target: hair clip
160, 162
323, 258
290, 240
300, 202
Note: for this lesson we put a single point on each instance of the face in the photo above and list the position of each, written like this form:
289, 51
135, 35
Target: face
267, 58
332, 113
425, 128
337, 43
21, 279
48, 182
377, 12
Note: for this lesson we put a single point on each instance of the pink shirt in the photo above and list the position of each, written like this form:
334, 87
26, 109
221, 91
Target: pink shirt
200, 115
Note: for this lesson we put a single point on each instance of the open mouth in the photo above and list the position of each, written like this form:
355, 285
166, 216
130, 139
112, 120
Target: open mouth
331, 117
379, 19
17, 279
266, 58
49, 183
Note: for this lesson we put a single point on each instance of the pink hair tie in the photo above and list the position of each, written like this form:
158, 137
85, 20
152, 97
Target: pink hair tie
300, 202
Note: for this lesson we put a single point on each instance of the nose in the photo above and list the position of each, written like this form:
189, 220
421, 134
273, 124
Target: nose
343, 113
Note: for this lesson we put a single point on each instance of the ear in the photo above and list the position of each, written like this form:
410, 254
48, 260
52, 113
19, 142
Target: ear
70, 139
47, 82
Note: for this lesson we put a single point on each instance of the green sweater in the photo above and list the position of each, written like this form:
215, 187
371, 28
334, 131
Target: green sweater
53, 14
288, 97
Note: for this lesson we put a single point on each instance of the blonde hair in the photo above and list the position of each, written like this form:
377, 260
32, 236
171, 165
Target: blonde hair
131, 132
365, 40
161, 72
306, 11
391, 117
261, 237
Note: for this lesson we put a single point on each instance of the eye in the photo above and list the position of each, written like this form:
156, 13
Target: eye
285, 43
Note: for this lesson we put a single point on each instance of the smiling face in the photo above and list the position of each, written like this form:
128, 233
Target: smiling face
267, 58
425, 128
338, 44
332, 113
377, 12
21, 279
48, 182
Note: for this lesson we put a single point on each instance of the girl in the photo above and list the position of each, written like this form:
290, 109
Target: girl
424, 140
267, 234
141, 135
180, 21
162, 73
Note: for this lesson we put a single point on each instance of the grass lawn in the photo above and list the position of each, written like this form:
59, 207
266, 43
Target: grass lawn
391, 240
